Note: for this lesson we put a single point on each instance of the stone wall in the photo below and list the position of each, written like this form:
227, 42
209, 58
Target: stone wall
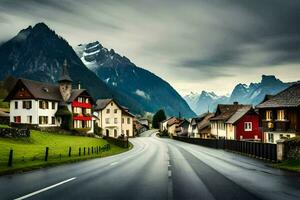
292, 148
14, 132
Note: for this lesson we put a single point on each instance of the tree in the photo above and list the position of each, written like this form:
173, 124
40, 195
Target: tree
158, 117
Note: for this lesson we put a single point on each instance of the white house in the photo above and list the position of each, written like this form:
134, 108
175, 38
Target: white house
114, 119
34, 103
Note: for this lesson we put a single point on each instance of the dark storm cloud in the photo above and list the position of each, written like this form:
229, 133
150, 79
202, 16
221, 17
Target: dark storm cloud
206, 36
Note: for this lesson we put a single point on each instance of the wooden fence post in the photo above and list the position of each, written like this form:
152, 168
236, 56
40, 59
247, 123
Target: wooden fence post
70, 151
84, 151
46, 154
10, 158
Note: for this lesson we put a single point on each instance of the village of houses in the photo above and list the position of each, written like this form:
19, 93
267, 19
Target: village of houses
46, 106
43, 105
276, 117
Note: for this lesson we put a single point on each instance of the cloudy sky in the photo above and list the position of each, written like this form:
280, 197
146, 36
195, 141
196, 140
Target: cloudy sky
193, 44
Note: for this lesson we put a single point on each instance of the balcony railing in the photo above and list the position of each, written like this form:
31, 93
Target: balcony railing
277, 126
81, 104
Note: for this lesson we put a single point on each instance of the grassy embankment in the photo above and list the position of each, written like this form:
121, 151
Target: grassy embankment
29, 153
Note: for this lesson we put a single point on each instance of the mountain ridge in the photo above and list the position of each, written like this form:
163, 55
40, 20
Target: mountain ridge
144, 86
253, 93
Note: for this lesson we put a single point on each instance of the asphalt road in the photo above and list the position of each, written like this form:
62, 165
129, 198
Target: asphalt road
157, 169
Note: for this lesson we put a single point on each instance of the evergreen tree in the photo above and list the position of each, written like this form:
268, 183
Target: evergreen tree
157, 118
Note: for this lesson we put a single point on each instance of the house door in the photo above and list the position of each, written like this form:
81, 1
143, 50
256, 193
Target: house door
107, 132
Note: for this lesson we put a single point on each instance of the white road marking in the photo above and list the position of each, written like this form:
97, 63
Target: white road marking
114, 163
45, 189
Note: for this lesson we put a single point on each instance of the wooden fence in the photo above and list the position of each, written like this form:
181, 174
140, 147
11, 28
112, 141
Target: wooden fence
257, 149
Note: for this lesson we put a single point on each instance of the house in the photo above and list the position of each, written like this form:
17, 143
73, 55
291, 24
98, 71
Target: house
39, 104
200, 126
280, 114
139, 127
231, 121
114, 119
245, 123
182, 128
172, 124
164, 124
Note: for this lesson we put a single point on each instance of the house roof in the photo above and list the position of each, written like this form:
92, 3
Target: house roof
225, 111
289, 97
238, 114
182, 121
102, 103
205, 121
38, 90
172, 121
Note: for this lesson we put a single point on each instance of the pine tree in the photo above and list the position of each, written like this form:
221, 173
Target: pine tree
157, 118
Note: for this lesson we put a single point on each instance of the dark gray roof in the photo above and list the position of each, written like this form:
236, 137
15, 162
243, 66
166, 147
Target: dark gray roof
289, 97
39, 90
75, 93
225, 111
102, 103
238, 114
205, 122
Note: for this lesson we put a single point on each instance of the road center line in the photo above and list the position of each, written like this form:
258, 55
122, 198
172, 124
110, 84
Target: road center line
45, 189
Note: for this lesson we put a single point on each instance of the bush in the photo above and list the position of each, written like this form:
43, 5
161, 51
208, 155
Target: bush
98, 130
164, 134
157, 118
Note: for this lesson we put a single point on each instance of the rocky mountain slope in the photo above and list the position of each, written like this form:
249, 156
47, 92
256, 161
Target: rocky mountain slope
253, 93
125, 77
38, 53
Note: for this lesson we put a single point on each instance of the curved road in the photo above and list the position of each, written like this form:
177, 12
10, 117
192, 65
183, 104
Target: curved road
157, 169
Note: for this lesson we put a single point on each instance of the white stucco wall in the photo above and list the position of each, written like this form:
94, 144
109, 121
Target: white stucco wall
34, 111
127, 126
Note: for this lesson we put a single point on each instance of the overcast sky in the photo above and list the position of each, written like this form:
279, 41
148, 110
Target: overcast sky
193, 44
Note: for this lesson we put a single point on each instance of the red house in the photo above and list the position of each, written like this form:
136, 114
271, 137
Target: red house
246, 124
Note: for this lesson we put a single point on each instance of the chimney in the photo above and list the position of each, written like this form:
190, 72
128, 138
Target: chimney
235, 103
78, 85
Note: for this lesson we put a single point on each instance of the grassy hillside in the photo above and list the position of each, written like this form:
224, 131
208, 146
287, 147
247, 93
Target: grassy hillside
29, 153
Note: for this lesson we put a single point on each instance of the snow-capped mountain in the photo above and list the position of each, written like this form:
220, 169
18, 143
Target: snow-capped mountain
253, 93
205, 101
38, 53
122, 75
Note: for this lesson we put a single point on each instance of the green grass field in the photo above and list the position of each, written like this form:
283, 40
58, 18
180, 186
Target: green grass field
29, 153
292, 165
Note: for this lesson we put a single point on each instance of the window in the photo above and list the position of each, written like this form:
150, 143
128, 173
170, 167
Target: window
43, 104
52, 120
128, 120
27, 104
248, 126
123, 120
107, 120
268, 115
115, 120
86, 100
280, 115
127, 133
53, 105
79, 99
111, 103
17, 119
116, 111
115, 133
29, 119
107, 111
43, 119
270, 137
16, 105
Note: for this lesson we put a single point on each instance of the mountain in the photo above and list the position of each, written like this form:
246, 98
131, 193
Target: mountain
128, 79
205, 101
253, 93
38, 53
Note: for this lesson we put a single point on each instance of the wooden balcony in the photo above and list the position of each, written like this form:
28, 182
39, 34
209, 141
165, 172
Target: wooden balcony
277, 126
